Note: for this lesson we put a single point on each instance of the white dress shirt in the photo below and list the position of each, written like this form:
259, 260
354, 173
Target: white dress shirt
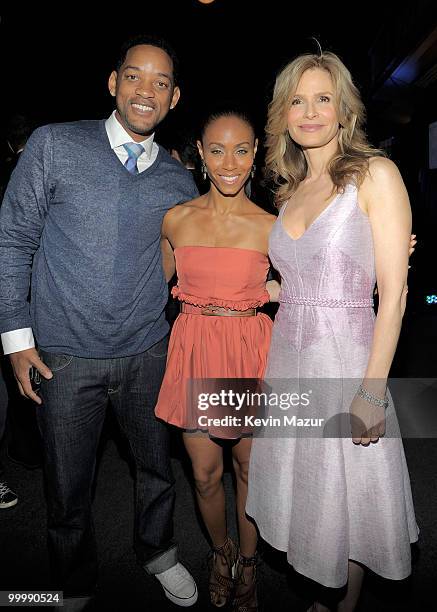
22, 339
118, 137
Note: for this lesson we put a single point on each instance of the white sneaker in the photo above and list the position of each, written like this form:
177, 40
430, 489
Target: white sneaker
178, 585
7, 497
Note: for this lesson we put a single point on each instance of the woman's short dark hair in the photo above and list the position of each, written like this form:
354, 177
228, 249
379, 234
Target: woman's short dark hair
226, 111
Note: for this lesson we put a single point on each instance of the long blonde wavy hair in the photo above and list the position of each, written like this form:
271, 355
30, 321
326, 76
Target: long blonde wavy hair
285, 160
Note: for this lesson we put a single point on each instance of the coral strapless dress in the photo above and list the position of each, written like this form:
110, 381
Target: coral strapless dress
214, 347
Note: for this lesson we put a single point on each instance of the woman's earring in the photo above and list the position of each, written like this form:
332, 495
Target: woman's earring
204, 172
252, 172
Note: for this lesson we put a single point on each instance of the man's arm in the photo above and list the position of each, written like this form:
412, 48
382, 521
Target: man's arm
22, 217
17, 340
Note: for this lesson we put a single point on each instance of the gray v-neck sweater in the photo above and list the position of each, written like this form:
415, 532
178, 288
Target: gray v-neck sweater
92, 230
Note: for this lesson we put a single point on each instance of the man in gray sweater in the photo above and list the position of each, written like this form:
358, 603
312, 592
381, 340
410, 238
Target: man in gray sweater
81, 218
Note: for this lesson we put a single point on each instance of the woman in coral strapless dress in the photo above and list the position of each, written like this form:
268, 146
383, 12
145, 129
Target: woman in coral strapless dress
218, 244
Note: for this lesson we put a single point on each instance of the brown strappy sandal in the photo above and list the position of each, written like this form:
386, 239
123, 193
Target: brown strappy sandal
220, 586
245, 599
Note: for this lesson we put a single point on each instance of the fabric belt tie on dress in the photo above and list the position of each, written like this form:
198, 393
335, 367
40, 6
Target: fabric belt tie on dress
216, 311
326, 302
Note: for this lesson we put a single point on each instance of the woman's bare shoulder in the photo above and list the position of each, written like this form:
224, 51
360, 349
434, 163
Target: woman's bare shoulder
380, 169
263, 216
382, 186
182, 210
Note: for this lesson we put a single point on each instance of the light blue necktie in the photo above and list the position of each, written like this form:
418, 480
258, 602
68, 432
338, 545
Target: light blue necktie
134, 150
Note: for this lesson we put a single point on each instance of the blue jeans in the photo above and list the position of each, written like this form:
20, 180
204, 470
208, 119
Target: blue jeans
70, 421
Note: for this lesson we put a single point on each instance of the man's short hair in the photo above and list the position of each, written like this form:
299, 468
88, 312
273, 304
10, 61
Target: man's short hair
154, 41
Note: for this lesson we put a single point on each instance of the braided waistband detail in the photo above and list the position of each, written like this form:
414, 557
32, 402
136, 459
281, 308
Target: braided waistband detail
326, 302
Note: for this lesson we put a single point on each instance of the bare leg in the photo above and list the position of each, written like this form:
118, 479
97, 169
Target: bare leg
245, 588
207, 462
246, 527
354, 584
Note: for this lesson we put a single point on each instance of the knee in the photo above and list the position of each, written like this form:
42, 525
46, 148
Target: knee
241, 469
207, 480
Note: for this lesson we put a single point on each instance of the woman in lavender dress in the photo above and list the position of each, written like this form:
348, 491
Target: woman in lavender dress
340, 503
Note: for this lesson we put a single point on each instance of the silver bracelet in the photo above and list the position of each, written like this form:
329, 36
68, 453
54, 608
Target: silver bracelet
372, 399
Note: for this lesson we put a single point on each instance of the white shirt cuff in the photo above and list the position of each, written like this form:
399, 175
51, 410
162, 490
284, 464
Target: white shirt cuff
17, 340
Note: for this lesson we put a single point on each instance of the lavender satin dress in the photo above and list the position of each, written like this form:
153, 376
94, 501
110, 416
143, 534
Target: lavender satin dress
325, 501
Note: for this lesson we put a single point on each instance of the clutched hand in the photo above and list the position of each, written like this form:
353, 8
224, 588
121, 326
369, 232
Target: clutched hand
22, 363
367, 421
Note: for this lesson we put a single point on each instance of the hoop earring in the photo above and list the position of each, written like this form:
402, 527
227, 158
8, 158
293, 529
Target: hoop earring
204, 171
252, 172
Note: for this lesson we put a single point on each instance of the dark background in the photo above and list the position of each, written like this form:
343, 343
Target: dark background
55, 65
